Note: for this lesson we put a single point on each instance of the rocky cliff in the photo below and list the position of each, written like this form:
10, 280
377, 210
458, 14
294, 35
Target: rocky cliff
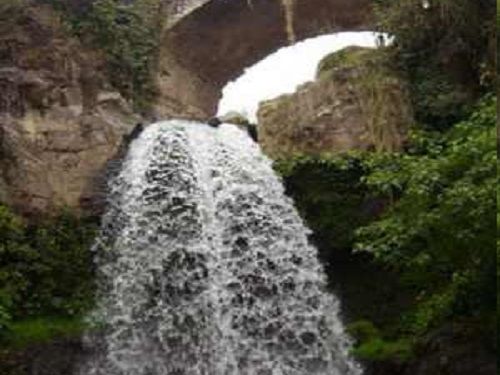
60, 122
354, 104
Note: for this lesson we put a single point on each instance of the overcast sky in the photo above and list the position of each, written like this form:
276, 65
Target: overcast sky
284, 70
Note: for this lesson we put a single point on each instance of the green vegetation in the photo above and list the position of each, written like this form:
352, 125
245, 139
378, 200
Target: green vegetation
373, 347
440, 231
124, 34
376, 84
447, 51
347, 57
41, 330
426, 216
46, 270
329, 193
128, 34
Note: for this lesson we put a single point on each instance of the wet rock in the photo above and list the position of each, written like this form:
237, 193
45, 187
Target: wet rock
214, 122
235, 118
252, 132
134, 134
338, 112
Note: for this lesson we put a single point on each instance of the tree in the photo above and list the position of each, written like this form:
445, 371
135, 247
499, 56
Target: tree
440, 231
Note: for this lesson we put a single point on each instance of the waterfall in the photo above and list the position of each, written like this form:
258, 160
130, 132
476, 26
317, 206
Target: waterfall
205, 268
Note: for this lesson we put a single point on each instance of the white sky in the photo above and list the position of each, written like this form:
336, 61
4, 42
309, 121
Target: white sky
284, 70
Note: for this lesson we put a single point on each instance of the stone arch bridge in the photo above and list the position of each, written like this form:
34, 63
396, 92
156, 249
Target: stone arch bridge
207, 43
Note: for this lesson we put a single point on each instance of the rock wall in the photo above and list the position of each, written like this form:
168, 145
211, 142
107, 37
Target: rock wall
60, 123
349, 107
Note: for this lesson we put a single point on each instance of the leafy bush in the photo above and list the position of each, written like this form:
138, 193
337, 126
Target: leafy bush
427, 216
42, 329
440, 230
128, 33
329, 193
371, 346
45, 268
16, 256
446, 50
61, 280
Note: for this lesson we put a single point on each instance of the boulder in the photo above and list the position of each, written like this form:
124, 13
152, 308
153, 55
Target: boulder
356, 103
241, 121
235, 118
214, 122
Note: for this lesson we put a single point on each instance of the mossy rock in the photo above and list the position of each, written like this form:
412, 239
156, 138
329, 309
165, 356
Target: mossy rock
235, 118
349, 57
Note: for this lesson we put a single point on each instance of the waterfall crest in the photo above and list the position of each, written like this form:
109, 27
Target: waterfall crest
205, 268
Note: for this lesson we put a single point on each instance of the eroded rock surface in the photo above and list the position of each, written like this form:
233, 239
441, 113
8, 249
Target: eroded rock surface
354, 104
60, 123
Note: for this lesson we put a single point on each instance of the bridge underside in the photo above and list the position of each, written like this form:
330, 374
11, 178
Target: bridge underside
215, 42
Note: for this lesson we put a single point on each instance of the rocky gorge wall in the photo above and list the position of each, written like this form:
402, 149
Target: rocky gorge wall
60, 122
352, 105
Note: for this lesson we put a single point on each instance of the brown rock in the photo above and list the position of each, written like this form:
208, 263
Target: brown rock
59, 122
353, 106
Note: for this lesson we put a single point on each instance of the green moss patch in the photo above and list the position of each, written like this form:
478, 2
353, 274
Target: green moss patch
41, 330
345, 58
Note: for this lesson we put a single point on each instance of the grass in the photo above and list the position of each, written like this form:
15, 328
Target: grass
346, 58
41, 330
380, 350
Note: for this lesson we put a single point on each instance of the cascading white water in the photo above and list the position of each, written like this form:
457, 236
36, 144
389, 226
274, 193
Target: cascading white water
205, 268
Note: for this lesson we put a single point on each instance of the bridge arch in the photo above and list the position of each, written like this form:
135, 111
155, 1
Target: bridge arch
214, 42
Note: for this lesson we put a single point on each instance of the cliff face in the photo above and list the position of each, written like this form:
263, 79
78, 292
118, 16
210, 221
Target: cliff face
351, 106
60, 123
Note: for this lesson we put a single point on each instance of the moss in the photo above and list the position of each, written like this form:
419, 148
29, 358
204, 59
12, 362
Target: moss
379, 90
42, 330
371, 346
378, 349
346, 58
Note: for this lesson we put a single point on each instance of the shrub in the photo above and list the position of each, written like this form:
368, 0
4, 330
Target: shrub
62, 280
371, 346
440, 231
45, 268
446, 50
128, 33
330, 195
16, 258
